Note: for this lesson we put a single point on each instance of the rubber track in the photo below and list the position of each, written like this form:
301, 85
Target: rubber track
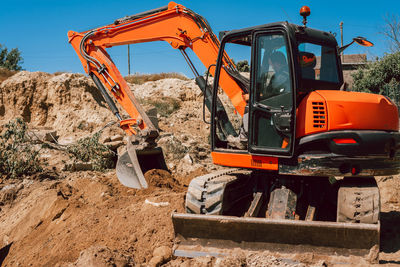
359, 204
205, 194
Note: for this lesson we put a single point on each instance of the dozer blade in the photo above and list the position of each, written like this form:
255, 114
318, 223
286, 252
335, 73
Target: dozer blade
132, 165
216, 235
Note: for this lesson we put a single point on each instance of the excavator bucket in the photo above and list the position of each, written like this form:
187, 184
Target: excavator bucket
215, 235
132, 165
136, 161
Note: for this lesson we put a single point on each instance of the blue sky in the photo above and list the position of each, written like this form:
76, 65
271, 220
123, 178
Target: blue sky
39, 28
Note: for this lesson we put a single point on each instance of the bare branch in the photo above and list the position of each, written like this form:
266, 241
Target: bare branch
392, 32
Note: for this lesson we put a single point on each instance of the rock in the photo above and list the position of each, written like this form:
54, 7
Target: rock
160, 255
164, 251
6, 240
156, 261
182, 96
8, 194
373, 255
104, 139
321, 263
171, 166
133, 239
114, 145
202, 155
100, 256
116, 137
40, 135
172, 147
188, 159
121, 150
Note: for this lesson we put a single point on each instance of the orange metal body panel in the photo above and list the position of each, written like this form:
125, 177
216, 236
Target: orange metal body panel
327, 110
174, 26
307, 113
245, 161
360, 111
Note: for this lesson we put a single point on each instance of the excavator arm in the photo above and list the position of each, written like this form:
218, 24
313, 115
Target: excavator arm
175, 24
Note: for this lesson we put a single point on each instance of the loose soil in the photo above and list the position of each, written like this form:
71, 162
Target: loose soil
87, 218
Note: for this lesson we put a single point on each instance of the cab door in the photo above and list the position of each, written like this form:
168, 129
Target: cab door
272, 98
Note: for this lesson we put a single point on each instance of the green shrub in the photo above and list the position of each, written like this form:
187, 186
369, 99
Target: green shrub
10, 60
243, 66
89, 149
380, 77
17, 155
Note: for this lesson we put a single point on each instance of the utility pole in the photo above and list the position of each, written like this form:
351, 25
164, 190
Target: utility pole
341, 39
129, 61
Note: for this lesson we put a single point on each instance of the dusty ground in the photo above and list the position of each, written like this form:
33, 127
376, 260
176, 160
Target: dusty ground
88, 218
53, 221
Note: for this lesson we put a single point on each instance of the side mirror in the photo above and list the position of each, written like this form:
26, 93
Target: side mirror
359, 40
363, 41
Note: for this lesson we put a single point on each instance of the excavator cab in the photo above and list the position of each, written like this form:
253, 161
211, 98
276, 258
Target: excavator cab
286, 63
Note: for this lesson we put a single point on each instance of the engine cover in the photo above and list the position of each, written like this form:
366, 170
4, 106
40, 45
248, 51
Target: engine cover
329, 110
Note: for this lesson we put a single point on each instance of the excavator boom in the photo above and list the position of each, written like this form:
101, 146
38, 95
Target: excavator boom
179, 27
174, 24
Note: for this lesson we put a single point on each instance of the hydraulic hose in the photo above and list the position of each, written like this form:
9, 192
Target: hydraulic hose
106, 96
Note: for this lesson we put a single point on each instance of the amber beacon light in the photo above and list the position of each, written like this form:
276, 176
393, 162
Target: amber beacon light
305, 12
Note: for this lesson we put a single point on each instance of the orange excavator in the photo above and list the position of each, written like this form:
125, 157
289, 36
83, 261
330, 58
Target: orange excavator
302, 154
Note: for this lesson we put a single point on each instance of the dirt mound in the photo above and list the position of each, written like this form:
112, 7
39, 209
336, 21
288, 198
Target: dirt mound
101, 256
162, 179
69, 103
170, 87
54, 221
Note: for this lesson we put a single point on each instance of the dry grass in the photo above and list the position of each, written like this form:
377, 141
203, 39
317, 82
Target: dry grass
59, 73
142, 78
5, 73
165, 106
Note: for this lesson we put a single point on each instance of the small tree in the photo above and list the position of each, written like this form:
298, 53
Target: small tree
380, 77
17, 155
392, 32
89, 149
243, 66
10, 60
